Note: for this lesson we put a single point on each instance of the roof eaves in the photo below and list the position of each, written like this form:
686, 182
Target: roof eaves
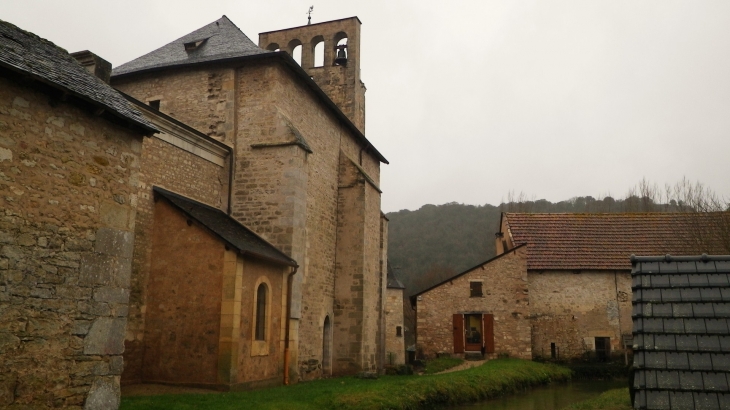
289, 261
146, 127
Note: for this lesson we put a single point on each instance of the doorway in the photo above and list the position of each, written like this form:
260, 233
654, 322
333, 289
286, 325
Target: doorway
473, 335
473, 332
603, 348
326, 350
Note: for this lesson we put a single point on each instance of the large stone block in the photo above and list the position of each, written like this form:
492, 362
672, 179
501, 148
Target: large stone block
104, 269
106, 337
105, 394
114, 242
111, 295
117, 216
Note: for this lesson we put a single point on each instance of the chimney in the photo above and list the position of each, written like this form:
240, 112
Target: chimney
95, 64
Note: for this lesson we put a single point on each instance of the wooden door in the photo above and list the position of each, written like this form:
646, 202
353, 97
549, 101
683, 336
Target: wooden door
458, 333
488, 332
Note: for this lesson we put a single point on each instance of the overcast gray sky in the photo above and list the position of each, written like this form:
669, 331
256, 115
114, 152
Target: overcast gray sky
470, 100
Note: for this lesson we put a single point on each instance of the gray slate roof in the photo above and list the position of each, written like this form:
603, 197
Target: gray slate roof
393, 282
221, 39
32, 56
681, 315
227, 228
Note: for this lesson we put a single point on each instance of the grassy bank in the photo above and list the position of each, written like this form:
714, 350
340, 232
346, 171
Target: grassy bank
440, 364
616, 399
494, 378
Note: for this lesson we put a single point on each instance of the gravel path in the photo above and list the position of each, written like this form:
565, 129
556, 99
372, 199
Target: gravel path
466, 365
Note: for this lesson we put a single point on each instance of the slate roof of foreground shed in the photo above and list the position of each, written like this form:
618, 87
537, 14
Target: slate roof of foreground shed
39, 59
227, 228
605, 241
681, 315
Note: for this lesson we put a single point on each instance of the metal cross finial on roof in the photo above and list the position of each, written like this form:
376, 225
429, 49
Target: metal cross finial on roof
309, 15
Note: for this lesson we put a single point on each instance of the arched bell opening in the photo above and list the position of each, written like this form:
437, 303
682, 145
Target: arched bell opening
318, 51
295, 50
341, 51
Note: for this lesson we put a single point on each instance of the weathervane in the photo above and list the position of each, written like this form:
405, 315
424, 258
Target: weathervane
309, 14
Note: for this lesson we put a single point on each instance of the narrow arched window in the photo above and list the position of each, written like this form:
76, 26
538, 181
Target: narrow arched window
260, 333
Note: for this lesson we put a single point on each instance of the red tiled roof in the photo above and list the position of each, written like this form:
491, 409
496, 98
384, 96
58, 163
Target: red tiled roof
606, 241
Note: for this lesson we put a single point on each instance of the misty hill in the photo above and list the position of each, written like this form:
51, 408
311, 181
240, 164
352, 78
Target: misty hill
436, 242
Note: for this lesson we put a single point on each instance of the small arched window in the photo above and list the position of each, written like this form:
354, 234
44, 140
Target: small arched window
260, 332
273, 47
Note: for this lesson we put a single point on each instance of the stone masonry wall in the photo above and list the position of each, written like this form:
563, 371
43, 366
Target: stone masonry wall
506, 296
395, 349
571, 309
290, 197
67, 196
202, 99
183, 301
174, 169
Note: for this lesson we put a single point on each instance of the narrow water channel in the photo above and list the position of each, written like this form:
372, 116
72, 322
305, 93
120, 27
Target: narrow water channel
552, 397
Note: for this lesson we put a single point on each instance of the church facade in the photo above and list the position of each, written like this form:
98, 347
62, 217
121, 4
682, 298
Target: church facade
302, 176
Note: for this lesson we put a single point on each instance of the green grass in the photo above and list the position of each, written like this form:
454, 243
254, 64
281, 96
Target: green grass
440, 364
494, 378
616, 399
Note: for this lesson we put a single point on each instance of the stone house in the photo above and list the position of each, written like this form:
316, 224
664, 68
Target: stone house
563, 282
70, 148
579, 272
395, 347
681, 308
301, 175
483, 311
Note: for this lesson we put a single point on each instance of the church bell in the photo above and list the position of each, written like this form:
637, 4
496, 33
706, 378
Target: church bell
341, 56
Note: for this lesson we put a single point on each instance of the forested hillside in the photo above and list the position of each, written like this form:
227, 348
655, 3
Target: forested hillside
436, 242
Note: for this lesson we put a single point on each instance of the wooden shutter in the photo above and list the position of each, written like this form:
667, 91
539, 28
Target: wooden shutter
458, 333
488, 332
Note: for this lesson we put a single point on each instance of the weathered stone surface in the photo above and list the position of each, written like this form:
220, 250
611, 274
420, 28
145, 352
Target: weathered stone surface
116, 365
8, 341
111, 295
8, 382
115, 242
106, 337
81, 327
104, 269
104, 394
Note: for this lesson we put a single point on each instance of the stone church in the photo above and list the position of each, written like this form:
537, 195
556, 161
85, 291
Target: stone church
229, 215
301, 175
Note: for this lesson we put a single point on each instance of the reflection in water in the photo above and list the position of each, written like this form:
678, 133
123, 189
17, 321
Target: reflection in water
552, 397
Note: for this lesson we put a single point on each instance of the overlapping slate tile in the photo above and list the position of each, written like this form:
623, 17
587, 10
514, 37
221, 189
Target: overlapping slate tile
681, 343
